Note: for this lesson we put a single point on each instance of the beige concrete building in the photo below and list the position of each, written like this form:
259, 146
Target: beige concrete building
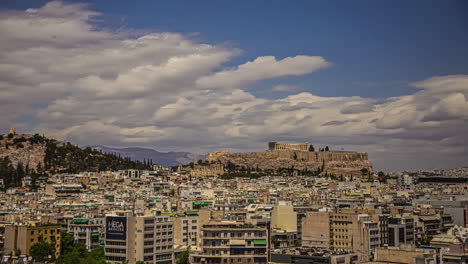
284, 217
139, 238
232, 242
341, 231
186, 230
86, 231
316, 230
23, 237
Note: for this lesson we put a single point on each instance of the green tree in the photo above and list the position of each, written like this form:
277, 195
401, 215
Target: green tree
183, 258
297, 243
68, 243
41, 251
311, 148
78, 254
275, 242
327, 148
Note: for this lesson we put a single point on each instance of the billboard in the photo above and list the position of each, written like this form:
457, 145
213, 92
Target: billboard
116, 228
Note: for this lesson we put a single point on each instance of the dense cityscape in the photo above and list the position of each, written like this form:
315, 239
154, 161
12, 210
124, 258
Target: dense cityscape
203, 212
233, 132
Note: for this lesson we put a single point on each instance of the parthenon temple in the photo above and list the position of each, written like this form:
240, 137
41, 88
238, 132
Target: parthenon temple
283, 146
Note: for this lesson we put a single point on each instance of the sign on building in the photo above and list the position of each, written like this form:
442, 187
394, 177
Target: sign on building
116, 228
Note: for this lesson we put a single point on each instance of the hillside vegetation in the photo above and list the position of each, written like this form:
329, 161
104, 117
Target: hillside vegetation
35, 155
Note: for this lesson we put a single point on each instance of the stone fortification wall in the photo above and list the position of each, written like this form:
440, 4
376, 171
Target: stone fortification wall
337, 162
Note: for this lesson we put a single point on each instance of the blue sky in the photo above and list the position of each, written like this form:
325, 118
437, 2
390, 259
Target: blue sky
376, 47
385, 77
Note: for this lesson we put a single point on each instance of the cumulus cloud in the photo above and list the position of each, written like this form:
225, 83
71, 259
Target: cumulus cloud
263, 68
62, 75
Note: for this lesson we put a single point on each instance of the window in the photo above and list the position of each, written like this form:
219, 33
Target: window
112, 258
149, 221
116, 250
116, 243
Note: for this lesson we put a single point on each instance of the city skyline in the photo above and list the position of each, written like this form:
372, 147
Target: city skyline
389, 79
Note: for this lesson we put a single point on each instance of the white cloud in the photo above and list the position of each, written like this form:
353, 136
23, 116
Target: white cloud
263, 68
69, 79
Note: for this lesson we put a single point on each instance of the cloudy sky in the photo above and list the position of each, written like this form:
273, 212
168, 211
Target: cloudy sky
386, 77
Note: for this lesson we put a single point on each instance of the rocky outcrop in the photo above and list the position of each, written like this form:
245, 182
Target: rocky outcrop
336, 162
25, 151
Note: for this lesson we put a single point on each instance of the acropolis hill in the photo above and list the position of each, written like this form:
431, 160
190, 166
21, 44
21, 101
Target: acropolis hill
286, 155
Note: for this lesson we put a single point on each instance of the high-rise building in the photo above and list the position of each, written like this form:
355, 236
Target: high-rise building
139, 238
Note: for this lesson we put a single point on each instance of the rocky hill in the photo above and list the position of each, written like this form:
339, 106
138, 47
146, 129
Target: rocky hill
160, 158
331, 162
22, 155
26, 149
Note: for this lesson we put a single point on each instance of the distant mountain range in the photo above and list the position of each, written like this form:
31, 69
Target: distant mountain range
159, 158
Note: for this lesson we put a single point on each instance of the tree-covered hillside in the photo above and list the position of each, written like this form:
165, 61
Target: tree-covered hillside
57, 156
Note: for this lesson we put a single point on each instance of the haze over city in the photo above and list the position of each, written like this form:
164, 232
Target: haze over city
388, 78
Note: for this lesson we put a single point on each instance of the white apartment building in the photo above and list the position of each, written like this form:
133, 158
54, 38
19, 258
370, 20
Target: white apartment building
139, 238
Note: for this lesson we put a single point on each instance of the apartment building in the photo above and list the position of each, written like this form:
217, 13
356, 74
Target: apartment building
23, 237
400, 230
87, 231
341, 231
139, 238
232, 242
186, 229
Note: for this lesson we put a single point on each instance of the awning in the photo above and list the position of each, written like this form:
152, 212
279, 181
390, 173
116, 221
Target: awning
191, 213
80, 221
259, 242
